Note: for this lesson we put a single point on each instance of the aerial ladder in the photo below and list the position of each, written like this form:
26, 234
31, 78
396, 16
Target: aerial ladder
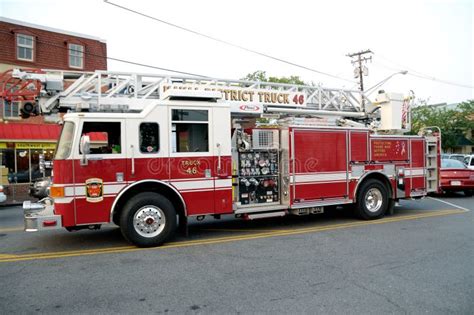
48, 92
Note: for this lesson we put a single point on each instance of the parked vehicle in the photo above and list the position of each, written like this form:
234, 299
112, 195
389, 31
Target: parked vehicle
3, 197
40, 187
469, 161
24, 176
459, 157
150, 160
455, 176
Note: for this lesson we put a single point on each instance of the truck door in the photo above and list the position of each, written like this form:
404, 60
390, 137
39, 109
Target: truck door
200, 143
99, 180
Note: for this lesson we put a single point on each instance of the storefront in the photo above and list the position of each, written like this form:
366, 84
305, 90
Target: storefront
20, 148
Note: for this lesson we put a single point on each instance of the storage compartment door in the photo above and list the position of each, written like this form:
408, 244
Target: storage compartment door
319, 165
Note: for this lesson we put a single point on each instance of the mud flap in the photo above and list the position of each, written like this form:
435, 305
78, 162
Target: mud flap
183, 226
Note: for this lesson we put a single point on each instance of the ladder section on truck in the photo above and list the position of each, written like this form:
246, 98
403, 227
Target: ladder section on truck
91, 90
432, 167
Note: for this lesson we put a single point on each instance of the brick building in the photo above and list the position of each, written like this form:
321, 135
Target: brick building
25, 45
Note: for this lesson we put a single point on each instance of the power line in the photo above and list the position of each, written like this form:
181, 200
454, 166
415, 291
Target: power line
420, 75
226, 42
117, 59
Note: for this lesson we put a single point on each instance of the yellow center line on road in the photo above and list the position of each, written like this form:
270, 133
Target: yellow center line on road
243, 230
124, 249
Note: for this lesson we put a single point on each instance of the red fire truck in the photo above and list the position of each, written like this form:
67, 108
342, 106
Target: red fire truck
147, 152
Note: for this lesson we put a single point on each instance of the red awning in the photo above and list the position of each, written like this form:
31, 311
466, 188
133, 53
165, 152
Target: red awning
36, 132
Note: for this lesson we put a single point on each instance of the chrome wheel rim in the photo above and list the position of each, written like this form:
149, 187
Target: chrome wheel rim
149, 221
373, 200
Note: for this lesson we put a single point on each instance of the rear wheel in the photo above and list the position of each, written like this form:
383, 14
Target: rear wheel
148, 219
468, 193
372, 200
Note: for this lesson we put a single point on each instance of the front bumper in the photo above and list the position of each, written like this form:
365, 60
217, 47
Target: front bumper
40, 216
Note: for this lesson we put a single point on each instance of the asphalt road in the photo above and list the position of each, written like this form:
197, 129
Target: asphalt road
420, 260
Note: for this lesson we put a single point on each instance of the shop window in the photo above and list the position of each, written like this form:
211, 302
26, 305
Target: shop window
24, 46
190, 130
21, 165
7, 159
149, 138
22, 174
76, 56
104, 137
36, 172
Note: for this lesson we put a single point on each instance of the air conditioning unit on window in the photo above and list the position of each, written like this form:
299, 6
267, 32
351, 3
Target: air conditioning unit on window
265, 139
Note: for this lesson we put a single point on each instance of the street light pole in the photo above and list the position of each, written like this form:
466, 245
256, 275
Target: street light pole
374, 87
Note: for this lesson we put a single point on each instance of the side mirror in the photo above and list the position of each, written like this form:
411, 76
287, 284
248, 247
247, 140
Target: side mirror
85, 147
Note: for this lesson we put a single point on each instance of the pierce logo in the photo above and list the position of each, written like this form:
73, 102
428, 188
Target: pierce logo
249, 108
94, 190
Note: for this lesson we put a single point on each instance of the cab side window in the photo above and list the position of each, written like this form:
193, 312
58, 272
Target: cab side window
105, 137
190, 130
149, 138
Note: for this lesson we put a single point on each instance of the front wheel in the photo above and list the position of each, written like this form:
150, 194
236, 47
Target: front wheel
148, 219
372, 200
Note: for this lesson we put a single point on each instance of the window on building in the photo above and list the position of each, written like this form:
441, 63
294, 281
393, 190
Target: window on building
11, 109
7, 164
104, 137
22, 174
25, 46
190, 131
76, 56
149, 138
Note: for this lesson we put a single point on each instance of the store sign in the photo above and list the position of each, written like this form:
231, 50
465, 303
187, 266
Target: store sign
32, 145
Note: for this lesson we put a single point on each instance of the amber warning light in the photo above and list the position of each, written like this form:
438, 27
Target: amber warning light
57, 191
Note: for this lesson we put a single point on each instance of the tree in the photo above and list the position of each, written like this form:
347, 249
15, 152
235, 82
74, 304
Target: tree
454, 123
261, 76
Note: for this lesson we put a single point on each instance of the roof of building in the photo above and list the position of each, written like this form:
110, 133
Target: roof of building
461, 140
49, 29
33, 132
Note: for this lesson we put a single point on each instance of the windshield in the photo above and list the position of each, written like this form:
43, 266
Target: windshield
450, 163
65, 141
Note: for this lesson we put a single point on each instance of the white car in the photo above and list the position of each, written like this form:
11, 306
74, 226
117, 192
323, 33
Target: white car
459, 157
3, 197
469, 161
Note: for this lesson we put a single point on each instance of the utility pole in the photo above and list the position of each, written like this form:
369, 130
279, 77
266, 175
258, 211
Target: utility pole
359, 70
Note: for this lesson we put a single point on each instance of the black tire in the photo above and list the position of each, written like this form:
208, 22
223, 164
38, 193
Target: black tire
469, 193
116, 219
372, 200
148, 220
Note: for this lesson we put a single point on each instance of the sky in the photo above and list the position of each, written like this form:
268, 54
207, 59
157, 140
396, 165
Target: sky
431, 39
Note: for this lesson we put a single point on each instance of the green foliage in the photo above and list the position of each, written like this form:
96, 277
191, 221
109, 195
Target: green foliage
261, 76
452, 122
